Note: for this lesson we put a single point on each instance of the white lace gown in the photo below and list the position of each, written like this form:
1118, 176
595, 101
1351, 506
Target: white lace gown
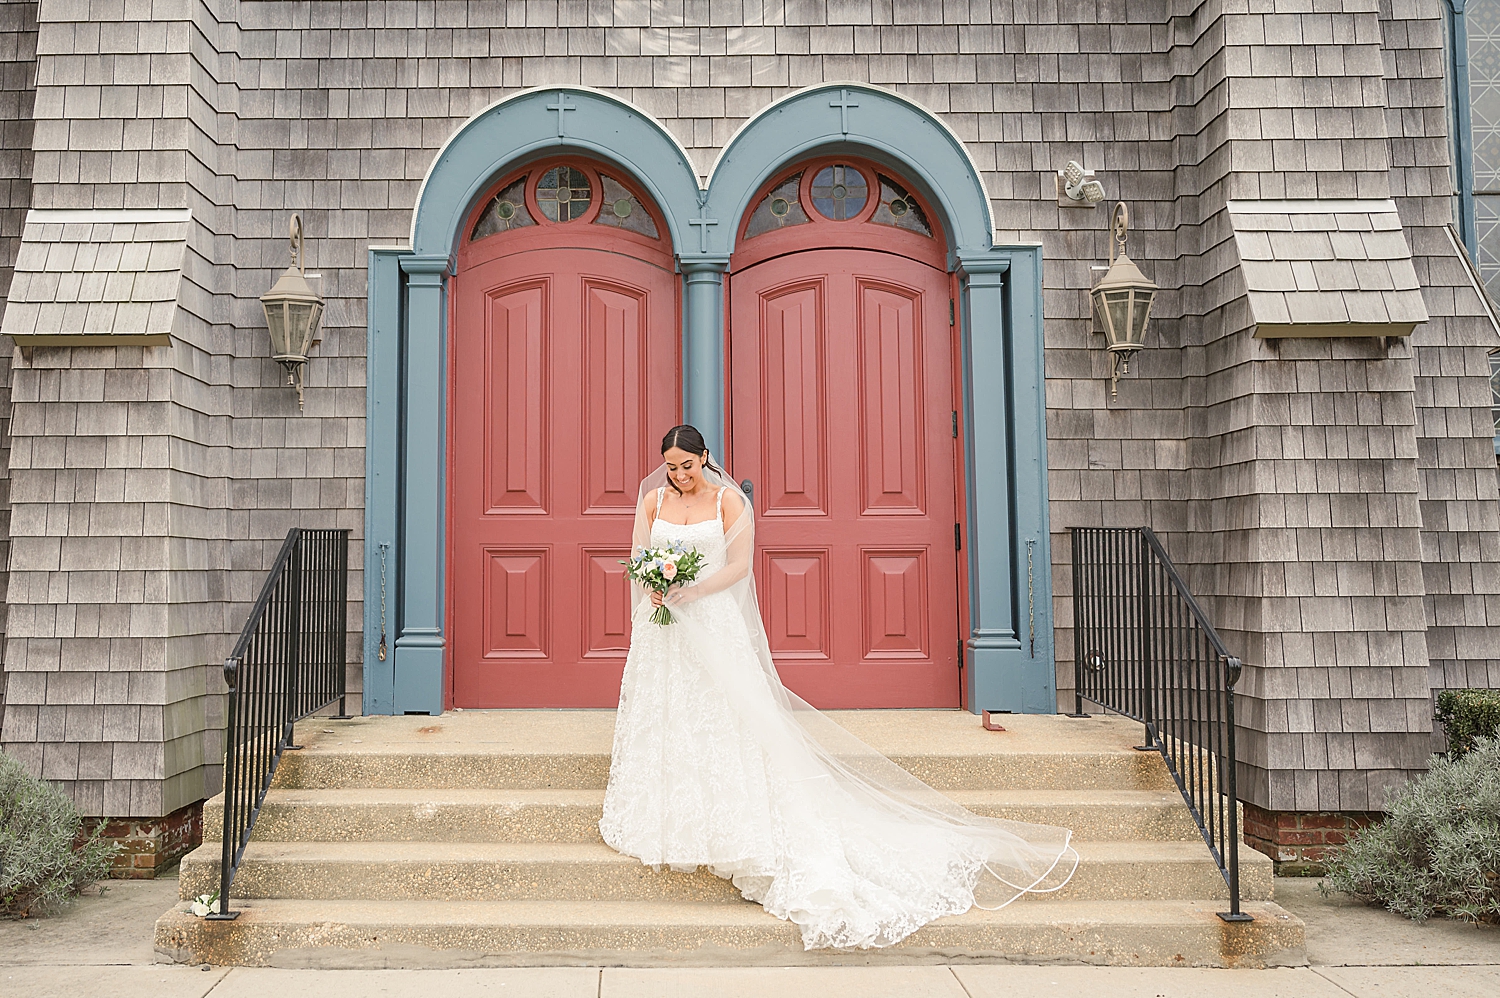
690, 786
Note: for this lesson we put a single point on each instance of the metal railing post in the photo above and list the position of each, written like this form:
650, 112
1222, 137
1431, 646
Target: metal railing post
1147, 691
293, 643
231, 788
1231, 782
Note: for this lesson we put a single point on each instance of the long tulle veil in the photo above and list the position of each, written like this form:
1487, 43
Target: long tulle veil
1011, 858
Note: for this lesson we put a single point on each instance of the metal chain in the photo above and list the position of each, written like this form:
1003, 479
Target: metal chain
380, 653
1031, 594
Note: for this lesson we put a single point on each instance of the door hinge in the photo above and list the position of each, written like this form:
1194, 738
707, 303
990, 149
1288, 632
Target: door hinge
950, 311
958, 538
955, 424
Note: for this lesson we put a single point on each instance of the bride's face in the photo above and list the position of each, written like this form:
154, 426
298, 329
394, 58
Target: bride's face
684, 468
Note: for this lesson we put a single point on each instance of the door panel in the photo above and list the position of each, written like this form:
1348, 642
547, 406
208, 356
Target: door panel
791, 352
515, 584
842, 392
564, 366
890, 388
514, 431
616, 329
795, 603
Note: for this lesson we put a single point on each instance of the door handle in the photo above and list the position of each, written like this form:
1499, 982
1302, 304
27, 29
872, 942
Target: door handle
748, 487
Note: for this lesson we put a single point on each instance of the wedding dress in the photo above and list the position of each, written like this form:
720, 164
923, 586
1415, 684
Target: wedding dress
717, 764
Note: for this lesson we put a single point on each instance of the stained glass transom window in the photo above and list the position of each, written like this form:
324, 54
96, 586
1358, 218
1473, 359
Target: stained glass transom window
622, 210
900, 209
839, 192
506, 211
778, 209
563, 193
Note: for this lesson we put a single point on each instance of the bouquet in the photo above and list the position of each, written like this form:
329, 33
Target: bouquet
659, 569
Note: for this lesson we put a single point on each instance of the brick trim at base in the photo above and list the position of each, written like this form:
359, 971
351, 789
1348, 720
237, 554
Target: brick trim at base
1301, 841
148, 846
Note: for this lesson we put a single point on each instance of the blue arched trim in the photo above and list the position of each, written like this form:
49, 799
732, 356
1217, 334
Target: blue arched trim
528, 125
860, 120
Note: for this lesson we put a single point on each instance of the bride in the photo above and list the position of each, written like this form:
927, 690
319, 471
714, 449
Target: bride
717, 764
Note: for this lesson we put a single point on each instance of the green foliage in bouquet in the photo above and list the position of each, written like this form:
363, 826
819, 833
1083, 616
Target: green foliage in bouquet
42, 865
1467, 715
1438, 851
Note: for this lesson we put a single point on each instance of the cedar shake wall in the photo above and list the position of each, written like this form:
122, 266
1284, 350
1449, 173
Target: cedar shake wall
1334, 503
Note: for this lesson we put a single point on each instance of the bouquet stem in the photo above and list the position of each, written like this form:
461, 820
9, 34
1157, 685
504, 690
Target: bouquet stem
661, 616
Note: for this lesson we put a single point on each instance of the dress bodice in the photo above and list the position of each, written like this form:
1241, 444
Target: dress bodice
707, 537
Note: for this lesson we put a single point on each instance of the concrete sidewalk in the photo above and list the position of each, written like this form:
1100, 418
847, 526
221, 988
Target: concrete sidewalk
104, 945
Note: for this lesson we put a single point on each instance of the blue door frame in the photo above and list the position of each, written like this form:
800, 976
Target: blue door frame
1008, 650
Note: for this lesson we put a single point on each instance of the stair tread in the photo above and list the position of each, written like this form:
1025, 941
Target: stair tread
345, 796
590, 732
706, 913
596, 852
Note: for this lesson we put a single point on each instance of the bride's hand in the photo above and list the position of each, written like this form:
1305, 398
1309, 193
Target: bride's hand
657, 598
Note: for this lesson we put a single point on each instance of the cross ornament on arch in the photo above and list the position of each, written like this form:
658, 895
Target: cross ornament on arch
561, 106
843, 104
703, 222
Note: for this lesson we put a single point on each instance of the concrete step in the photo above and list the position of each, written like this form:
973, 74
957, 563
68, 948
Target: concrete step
561, 871
413, 934
442, 815
569, 750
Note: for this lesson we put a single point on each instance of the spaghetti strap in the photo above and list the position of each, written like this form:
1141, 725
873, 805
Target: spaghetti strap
719, 504
659, 493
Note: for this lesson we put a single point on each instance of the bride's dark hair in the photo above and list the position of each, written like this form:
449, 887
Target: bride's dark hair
688, 438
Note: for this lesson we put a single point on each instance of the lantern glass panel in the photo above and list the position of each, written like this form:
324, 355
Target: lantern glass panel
300, 316
276, 323
1117, 303
1143, 300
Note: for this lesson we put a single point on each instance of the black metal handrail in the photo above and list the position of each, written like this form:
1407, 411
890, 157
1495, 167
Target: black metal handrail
1143, 647
288, 663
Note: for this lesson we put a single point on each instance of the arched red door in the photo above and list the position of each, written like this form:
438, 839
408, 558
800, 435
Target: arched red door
843, 416
565, 365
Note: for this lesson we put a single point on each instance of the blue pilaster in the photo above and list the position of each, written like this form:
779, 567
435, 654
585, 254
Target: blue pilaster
382, 478
1008, 652
419, 648
703, 347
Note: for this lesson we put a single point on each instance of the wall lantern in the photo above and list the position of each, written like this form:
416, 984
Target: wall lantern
293, 313
1122, 301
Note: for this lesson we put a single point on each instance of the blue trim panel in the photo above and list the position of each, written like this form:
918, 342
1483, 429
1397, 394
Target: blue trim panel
382, 474
1463, 124
1009, 650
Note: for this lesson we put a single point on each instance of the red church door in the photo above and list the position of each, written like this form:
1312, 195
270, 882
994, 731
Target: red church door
842, 413
565, 371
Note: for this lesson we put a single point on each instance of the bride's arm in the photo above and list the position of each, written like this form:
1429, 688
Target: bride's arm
740, 550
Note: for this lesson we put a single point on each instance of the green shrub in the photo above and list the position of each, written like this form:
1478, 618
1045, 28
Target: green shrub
1468, 714
40, 865
1438, 850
